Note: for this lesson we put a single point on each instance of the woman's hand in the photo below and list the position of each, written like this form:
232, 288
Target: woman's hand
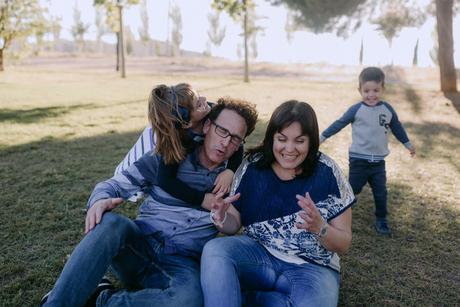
310, 214
338, 237
223, 182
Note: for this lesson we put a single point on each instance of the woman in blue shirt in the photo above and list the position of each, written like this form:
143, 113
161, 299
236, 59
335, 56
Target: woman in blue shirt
294, 207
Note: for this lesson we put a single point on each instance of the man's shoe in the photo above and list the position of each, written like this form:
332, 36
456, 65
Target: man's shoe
44, 299
381, 226
105, 284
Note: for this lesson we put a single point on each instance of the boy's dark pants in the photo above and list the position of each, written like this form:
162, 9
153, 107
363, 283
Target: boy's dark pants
374, 173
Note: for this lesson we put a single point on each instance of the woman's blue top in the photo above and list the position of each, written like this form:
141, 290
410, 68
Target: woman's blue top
269, 209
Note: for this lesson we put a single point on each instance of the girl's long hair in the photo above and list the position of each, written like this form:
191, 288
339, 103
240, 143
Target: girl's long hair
169, 113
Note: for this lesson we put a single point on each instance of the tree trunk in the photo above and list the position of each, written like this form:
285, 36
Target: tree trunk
122, 47
390, 46
1, 60
168, 47
415, 57
117, 47
245, 26
444, 15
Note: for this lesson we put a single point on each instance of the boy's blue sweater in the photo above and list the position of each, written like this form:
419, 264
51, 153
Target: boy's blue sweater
370, 126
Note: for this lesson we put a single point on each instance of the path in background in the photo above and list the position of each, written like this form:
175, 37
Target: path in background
207, 66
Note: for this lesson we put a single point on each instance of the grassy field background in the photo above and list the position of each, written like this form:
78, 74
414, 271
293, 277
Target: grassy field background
65, 125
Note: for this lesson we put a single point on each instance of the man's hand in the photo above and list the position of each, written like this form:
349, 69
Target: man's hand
208, 200
220, 205
94, 214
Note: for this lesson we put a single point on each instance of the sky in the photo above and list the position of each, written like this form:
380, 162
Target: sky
272, 44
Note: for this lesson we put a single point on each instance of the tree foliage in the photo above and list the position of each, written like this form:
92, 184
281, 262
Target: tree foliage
176, 32
290, 26
41, 28
55, 29
79, 28
129, 39
144, 29
396, 15
114, 10
19, 19
234, 8
111, 9
216, 34
239, 11
116, 2
101, 26
345, 15
341, 16
253, 30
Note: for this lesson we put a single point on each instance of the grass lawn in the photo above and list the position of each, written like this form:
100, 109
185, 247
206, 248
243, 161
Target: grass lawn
63, 130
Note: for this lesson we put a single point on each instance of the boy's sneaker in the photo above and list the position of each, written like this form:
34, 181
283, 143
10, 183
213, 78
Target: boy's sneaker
105, 284
381, 226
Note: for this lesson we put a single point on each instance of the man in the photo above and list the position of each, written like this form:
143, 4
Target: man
158, 253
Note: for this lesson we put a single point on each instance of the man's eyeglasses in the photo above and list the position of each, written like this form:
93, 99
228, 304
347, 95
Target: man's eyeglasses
224, 133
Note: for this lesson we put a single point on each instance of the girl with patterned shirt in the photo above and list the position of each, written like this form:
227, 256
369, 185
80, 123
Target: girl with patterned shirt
295, 207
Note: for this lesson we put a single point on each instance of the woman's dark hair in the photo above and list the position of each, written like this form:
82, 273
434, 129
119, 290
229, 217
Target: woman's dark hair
284, 115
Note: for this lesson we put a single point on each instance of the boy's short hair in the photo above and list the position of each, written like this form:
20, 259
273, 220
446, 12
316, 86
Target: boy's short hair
371, 74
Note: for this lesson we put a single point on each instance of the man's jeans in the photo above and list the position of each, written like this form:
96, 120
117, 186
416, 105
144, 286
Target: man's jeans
374, 173
230, 262
163, 280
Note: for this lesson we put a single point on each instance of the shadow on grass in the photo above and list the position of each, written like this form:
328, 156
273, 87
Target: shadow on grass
47, 183
394, 74
413, 98
34, 115
455, 99
417, 266
37, 114
438, 140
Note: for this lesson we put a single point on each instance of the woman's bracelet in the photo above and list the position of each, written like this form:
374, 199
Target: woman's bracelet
323, 230
221, 223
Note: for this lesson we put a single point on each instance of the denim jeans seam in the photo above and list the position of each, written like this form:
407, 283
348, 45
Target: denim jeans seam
156, 266
146, 258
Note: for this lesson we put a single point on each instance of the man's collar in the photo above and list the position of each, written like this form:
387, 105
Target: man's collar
195, 159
